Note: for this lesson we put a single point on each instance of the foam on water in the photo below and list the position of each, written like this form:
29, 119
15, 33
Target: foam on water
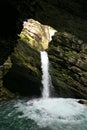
51, 112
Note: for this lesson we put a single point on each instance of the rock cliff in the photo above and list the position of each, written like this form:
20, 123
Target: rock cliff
68, 57
24, 77
65, 16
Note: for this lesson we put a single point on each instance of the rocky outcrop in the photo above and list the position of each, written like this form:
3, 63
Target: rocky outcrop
68, 62
68, 58
25, 75
84, 102
36, 34
4, 92
65, 15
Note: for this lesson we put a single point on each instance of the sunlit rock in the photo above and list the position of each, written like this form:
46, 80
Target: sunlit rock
36, 34
25, 75
66, 15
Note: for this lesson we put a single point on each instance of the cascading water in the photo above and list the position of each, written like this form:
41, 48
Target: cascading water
45, 113
45, 74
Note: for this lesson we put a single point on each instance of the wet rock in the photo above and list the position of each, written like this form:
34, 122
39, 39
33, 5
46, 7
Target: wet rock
25, 75
82, 102
5, 94
68, 66
65, 15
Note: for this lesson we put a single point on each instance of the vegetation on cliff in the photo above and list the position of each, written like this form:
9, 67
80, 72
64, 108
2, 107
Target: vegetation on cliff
24, 77
66, 51
68, 58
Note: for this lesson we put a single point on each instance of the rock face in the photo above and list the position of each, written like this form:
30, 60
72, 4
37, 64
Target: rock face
66, 15
4, 92
68, 62
68, 57
36, 34
25, 75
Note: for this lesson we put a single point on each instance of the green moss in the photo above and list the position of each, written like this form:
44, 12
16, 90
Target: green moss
30, 41
67, 77
26, 61
26, 38
70, 53
60, 83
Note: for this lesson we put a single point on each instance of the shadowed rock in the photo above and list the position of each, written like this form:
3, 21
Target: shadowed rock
68, 67
82, 102
66, 15
25, 75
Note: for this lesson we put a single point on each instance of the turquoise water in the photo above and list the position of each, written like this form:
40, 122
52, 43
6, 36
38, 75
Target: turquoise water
43, 114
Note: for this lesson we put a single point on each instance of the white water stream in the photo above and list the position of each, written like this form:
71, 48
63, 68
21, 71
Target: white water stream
53, 113
45, 113
45, 74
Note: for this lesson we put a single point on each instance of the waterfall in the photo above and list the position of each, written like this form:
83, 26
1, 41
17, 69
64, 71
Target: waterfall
46, 80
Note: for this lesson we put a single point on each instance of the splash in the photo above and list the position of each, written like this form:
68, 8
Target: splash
55, 113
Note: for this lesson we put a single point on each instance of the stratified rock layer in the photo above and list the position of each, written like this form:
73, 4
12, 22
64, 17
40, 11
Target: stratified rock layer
63, 15
68, 58
25, 75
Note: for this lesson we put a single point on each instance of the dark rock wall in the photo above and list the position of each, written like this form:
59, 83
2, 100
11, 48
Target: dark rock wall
8, 29
68, 59
24, 77
63, 15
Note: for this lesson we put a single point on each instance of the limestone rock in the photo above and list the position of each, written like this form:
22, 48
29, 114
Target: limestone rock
36, 34
68, 65
25, 75
65, 15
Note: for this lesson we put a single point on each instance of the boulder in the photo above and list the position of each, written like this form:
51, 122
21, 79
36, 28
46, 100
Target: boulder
84, 102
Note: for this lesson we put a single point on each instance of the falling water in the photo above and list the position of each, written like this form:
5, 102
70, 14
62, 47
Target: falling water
45, 113
45, 74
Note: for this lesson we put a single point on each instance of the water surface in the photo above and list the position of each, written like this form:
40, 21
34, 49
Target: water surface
43, 114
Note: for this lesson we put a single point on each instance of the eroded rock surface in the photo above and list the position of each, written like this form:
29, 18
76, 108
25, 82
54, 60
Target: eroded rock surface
5, 94
68, 57
66, 15
25, 75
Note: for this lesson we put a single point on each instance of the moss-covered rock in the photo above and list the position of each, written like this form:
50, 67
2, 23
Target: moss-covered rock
25, 75
36, 34
68, 65
65, 15
5, 94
